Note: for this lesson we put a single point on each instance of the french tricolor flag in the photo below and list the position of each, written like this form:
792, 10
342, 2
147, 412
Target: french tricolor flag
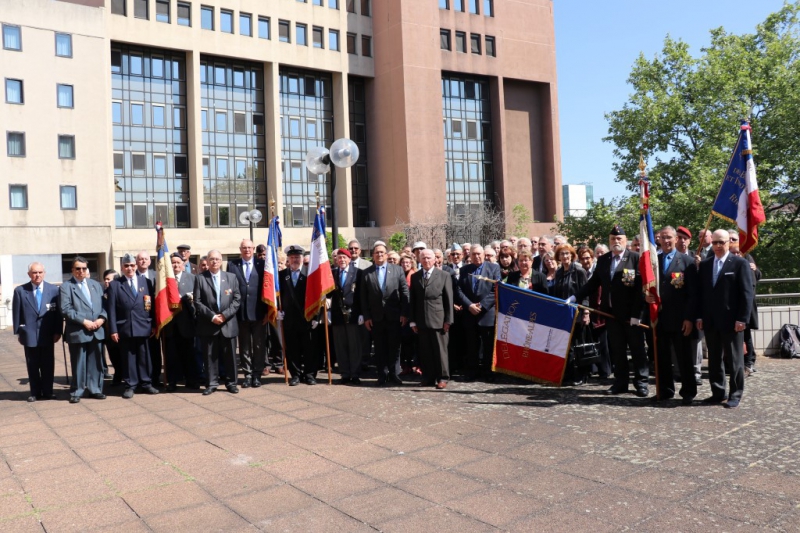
533, 334
270, 290
320, 277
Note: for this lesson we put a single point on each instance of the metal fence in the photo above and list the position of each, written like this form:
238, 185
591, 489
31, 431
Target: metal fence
778, 292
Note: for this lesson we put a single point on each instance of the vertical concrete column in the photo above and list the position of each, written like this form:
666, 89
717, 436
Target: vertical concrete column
341, 128
272, 141
194, 128
498, 146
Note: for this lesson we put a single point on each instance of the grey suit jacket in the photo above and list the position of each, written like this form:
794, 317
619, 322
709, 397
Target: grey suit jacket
75, 309
205, 302
431, 300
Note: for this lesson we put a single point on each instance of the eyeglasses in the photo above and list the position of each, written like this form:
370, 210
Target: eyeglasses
80, 268
719, 243
354, 248
734, 239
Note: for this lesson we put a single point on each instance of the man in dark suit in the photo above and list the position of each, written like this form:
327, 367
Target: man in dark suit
477, 297
725, 298
130, 301
178, 334
143, 269
37, 323
252, 314
185, 252
216, 301
346, 317
677, 286
300, 340
545, 245
81, 301
431, 313
617, 274
384, 305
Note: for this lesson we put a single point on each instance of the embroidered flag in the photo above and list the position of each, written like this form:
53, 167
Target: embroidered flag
168, 299
270, 289
320, 277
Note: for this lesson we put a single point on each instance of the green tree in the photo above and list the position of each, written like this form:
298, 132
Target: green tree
396, 241
329, 243
521, 217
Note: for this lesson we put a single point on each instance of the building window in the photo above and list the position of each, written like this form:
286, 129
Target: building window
333, 40
137, 65
138, 164
301, 30
444, 39
473, 7
162, 11
159, 117
63, 45
12, 38
461, 42
15, 144
184, 14
351, 43
317, 36
358, 132
245, 24
475, 43
283, 31
140, 9
263, 27
116, 112
137, 114
225, 21
444, 4
366, 45
221, 121
333, 4
458, 5
318, 3
365, 8
66, 147
490, 50
488, 8
18, 196
65, 98
69, 197
207, 17
119, 164
118, 7
350, 6
14, 92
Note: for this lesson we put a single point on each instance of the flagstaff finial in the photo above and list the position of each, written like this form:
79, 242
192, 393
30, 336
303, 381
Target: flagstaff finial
272, 205
316, 193
642, 164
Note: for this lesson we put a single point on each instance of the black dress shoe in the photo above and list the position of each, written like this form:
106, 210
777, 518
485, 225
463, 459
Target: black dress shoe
74, 399
614, 390
255, 384
344, 381
294, 381
209, 390
128, 394
355, 381
233, 389
246, 383
641, 392
149, 389
51, 396
731, 404
192, 386
310, 380
687, 401
394, 380
712, 400
99, 396
31, 399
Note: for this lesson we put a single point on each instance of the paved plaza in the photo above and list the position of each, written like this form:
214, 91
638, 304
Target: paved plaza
509, 456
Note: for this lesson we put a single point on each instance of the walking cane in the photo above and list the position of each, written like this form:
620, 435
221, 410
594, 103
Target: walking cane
64, 348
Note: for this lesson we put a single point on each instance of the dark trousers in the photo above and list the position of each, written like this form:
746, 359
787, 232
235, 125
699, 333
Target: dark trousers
275, 352
675, 344
138, 364
216, 348
116, 359
456, 347
386, 335
722, 346
750, 356
40, 361
603, 368
479, 348
433, 356
347, 341
154, 346
302, 358
180, 360
87, 369
623, 336
252, 347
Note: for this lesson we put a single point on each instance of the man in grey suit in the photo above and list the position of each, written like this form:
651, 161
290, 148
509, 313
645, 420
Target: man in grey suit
431, 315
179, 332
216, 300
82, 307
37, 322
384, 305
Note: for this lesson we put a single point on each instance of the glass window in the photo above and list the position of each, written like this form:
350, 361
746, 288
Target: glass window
184, 14
116, 61
333, 4
136, 65
179, 118
207, 17
238, 77
69, 197
66, 147
365, 8
241, 169
258, 124
473, 7
119, 216
283, 31
160, 165
225, 21
458, 5
63, 45
317, 36
294, 127
219, 75
223, 215
263, 27
116, 112
137, 114
475, 43
333, 40
301, 30
12, 37
351, 43
14, 92
350, 6
162, 11
158, 116
139, 163
118, 7
366, 45
318, 2
461, 42
157, 67
181, 166
18, 196
444, 4
65, 96
119, 163
140, 9
444, 39
488, 8
221, 121
245, 24
239, 123
204, 119
222, 167
15, 144
490, 51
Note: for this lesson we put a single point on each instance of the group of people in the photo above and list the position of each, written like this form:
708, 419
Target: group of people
413, 312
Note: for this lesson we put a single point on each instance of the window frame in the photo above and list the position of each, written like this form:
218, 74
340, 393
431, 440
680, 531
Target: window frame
354, 37
338, 47
61, 189
24, 188
249, 18
204, 10
490, 48
71, 96
169, 11
285, 24
23, 152
178, 18
446, 33
73, 148
318, 30
366, 8
146, 4
267, 22
475, 39
68, 36
229, 13
21, 91
462, 35
298, 27
366, 45
19, 33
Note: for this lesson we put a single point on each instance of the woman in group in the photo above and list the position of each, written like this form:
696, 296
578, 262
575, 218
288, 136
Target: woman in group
507, 263
393, 258
526, 277
550, 268
569, 279
408, 340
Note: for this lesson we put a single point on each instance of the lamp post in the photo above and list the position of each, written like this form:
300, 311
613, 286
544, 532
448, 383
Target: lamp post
252, 217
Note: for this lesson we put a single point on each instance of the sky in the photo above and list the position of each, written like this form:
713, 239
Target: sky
597, 43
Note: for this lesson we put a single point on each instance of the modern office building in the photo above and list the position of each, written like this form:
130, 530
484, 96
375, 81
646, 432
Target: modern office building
578, 198
119, 113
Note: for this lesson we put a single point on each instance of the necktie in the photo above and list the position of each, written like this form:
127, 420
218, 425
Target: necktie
133, 288
476, 279
216, 288
426, 275
667, 261
85, 289
343, 278
614, 263
717, 268
247, 271
381, 277
295, 274
38, 297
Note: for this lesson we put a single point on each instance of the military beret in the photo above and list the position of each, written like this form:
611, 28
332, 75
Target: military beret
617, 230
128, 258
684, 231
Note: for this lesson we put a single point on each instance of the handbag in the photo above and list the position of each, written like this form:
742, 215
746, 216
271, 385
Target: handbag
586, 351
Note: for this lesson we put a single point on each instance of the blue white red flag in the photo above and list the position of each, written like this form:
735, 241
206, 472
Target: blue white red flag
270, 289
738, 200
533, 334
648, 257
168, 299
320, 276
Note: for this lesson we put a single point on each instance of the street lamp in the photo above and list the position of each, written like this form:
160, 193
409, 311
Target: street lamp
343, 154
252, 217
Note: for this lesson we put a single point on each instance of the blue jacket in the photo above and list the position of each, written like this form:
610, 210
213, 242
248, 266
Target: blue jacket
36, 327
127, 314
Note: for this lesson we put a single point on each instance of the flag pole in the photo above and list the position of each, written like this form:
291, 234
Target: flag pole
325, 313
643, 176
279, 304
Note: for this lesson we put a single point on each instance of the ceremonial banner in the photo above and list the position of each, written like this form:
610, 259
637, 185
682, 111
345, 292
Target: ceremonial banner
738, 200
168, 299
270, 290
320, 276
648, 259
533, 334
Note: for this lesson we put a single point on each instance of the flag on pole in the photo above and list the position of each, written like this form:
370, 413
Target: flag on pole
648, 259
168, 299
533, 334
320, 277
738, 200
270, 289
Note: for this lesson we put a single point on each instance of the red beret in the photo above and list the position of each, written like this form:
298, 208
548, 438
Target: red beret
344, 251
685, 231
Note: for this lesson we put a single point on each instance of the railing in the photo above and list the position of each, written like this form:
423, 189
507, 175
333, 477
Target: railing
774, 292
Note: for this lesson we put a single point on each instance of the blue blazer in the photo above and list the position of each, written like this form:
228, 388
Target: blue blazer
36, 327
467, 295
126, 313
75, 309
251, 308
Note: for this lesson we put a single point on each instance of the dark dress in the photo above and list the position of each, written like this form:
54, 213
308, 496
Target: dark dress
567, 283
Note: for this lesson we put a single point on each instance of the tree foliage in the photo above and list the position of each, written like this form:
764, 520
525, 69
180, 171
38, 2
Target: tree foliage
683, 115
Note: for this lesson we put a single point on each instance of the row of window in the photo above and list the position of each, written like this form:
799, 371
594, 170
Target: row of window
18, 197
474, 7
15, 93
141, 10
15, 145
12, 40
446, 43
